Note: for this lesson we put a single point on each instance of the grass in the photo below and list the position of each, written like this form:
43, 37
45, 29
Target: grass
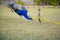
14, 28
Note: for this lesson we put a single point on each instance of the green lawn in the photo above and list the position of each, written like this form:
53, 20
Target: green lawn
12, 27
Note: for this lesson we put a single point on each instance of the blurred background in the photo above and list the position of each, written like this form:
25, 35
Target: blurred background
33, 2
